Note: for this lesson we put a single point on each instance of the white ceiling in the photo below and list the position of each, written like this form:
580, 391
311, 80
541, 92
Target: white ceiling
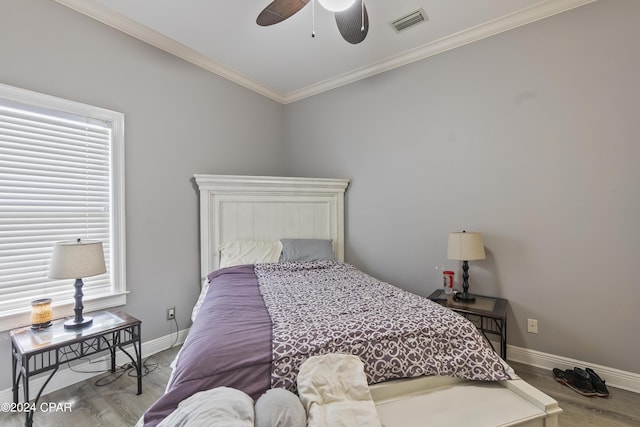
283, 61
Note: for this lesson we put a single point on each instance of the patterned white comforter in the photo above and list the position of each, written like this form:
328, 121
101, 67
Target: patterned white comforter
331, 307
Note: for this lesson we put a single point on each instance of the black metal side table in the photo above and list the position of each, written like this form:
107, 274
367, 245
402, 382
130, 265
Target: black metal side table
37, 351
488, 314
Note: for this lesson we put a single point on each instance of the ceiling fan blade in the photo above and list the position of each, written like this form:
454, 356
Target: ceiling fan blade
279, 10
350, 23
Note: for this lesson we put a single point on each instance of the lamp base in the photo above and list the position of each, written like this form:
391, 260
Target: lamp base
464, 297
73, 324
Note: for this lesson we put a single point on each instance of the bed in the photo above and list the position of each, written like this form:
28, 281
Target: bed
256, 324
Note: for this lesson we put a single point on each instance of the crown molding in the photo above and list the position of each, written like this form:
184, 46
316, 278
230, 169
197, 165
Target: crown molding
470, 35
467, 36
152, 37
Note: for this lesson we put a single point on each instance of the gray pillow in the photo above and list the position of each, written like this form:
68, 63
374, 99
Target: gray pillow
278, 407
306, 250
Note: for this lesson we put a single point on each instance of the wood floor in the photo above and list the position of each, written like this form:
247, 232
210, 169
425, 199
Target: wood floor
111, 405
117, 404
621, 408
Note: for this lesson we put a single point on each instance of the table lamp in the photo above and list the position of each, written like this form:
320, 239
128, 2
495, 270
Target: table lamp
75, 260
465, 246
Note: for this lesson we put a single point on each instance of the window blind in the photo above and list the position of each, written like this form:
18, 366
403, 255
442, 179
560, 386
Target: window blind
55, 185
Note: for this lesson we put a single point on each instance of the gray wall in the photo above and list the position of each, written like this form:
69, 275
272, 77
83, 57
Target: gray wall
530, 137
179, 120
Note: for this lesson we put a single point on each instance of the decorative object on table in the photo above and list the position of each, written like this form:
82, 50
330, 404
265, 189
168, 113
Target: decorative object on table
446, 277
41, 313
465, 246
75, 260
448, 281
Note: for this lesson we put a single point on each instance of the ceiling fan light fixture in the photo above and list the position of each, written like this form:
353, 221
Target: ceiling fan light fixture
336, 5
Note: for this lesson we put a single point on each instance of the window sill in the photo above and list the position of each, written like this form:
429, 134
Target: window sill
23, 318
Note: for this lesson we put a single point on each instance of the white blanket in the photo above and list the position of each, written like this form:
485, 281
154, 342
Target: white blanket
221, 406
333, 388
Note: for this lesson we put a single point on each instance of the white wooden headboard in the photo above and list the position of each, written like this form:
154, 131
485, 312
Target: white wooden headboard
234, 207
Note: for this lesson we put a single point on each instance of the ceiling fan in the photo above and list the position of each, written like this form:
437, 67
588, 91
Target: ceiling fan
351, 15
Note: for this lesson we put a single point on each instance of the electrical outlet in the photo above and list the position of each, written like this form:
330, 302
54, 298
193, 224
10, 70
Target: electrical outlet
532, 326
171, 313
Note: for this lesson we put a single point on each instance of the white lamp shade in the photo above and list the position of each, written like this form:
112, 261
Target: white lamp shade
465, 246
336, 5
75, 260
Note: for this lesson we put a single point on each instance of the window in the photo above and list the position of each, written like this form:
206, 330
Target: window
61, 178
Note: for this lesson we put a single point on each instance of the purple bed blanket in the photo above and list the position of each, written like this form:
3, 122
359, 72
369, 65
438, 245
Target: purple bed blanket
229, 344
259, 323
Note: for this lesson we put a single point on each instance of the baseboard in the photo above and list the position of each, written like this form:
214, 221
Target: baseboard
99, 366
614, 377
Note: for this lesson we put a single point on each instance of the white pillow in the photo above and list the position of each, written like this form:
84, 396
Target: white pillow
203, 294
240, 252
278, 407
222, 406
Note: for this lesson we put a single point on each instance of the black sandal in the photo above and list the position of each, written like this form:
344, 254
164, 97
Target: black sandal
598, 383
574, 381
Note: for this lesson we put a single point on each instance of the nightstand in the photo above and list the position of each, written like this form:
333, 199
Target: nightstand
37, 351
488, 314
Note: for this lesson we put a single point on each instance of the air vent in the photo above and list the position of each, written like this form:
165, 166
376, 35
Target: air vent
409, 20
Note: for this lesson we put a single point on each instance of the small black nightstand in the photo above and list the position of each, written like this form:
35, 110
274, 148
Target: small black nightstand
37, 351
488, 314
